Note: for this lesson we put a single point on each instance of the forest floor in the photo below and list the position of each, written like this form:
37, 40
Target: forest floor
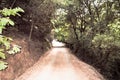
18, 63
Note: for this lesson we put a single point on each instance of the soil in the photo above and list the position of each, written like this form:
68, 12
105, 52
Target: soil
30, 53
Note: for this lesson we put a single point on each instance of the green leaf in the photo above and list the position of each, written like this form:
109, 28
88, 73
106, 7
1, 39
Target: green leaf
18, 9
7, 44
15, 49
3, 65
4, 21
13, 12
5, 41
6, 12
11, 22
1, 31
2, 55
11, 52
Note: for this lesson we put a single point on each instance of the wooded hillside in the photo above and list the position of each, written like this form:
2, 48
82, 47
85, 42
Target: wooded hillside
90, 28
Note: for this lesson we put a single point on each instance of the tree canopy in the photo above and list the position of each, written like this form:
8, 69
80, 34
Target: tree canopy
90, 28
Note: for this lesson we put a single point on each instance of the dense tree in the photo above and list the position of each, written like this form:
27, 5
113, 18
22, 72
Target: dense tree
91, 28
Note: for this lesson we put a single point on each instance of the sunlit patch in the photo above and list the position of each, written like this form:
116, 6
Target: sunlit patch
55, 43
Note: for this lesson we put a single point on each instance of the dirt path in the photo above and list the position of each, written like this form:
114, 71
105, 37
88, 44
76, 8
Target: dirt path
60, 64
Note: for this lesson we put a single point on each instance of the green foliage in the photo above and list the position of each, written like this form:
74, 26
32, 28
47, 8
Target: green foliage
13, 12
15, 49
61, 36
110, 39
61, 27
2, 54
4, 22
115, 29
5, 45
5, 41
3, 65
103, 41
88, 20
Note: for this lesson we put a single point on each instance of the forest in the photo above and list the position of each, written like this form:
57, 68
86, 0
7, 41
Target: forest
89, 28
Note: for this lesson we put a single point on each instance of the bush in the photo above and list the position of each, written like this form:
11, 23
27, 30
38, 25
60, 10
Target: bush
5, 46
